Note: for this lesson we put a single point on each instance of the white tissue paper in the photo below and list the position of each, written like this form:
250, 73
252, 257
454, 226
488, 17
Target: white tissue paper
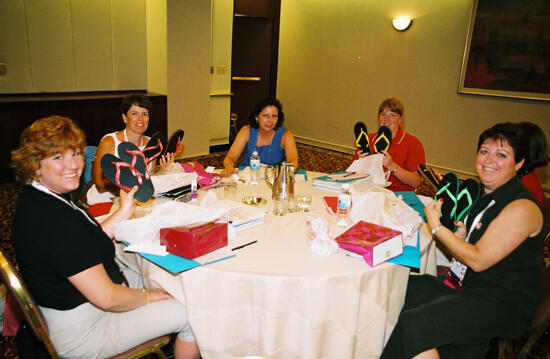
385, 209
322, 244
167, 182
371, 165
143, 234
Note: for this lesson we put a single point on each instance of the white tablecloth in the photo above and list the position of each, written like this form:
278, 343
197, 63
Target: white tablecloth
277, 298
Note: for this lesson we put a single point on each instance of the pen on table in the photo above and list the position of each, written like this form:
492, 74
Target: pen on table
244, 245
349, 174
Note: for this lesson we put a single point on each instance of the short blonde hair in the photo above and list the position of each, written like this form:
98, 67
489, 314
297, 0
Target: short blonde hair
44, 138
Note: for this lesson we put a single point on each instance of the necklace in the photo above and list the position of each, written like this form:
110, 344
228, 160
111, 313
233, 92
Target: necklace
140, 141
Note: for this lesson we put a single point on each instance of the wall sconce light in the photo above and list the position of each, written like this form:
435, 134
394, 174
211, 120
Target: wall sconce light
401, 23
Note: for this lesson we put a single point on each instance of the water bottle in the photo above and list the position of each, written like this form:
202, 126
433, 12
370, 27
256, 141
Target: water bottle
344, 206
194, 190
254, 167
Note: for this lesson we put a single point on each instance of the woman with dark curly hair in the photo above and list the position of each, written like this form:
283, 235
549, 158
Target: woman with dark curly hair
265, 135
67, 258
495, 268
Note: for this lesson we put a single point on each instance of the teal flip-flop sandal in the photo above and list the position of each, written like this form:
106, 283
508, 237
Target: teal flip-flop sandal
448, 190
468, 194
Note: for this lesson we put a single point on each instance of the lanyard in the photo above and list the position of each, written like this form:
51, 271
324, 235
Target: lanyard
478, 218
45, 189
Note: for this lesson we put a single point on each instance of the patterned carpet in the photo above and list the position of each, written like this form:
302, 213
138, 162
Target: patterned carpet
311, 158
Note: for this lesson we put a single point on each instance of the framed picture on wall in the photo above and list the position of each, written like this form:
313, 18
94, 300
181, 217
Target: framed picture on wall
507, 50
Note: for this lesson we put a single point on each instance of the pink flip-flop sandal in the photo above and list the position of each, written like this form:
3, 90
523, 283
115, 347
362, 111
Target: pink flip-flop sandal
125, 176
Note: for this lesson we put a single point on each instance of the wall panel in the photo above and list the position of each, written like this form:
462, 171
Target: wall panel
92, 44
51, 45
14, 49
129, 44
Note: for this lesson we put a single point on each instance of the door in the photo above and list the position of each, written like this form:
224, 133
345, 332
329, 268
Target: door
254, 55
251, 64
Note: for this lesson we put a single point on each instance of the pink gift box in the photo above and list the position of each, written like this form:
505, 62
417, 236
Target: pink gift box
375, 243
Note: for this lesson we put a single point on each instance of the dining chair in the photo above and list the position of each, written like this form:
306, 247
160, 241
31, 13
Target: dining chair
89, 157
541, 320
540, 324
36, 321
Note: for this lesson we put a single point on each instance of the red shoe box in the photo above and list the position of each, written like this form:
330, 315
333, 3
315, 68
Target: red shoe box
192, 242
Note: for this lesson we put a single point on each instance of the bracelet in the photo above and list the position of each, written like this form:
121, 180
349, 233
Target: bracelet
148, 300
435, 230
395, 169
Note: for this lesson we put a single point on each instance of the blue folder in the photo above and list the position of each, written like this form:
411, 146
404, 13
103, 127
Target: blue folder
411, 255
174, 263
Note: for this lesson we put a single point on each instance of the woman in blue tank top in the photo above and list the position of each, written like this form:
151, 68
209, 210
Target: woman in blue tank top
264, 134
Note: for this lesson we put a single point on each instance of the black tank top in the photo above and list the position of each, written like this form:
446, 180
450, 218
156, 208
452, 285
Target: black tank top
514, 281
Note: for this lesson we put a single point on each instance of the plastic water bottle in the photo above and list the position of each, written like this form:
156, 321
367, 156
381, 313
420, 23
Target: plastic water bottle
254, 167
344, 206
193, 190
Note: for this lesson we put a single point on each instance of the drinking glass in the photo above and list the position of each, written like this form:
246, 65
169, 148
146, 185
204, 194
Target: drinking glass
303, 202
280, 206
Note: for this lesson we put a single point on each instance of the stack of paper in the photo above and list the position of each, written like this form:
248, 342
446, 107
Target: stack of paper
334, 181
243, 216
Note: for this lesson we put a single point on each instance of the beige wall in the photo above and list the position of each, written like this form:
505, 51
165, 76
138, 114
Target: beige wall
156, 45
188, 83
339, 59
72, 45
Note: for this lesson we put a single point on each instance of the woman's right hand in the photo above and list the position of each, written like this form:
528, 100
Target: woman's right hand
362, 154
228, 170
158, 294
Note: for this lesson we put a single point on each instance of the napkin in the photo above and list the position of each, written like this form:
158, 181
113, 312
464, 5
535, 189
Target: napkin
385, 209
166, 182
143, 234
322, 244
371, 165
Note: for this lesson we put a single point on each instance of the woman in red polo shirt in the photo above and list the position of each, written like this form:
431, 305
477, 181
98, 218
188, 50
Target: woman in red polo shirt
406, 151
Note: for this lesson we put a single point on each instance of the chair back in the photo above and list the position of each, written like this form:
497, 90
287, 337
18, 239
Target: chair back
89, 156
26, 304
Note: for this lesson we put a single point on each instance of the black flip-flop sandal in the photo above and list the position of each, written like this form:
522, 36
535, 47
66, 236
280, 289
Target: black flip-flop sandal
425, 173
468, 194
447, 190
174, 142
362, 137
128, 152
435, 174
383, 139
155, 147
124, 176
